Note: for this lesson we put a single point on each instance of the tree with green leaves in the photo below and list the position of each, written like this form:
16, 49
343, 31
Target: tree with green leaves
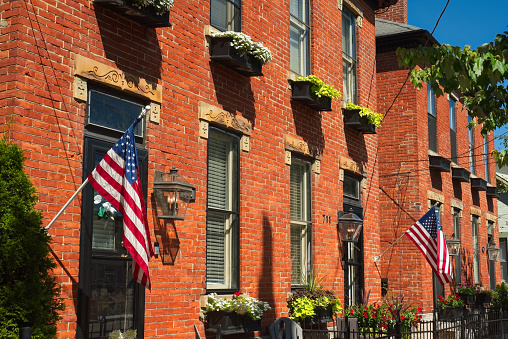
29, 294
478, 75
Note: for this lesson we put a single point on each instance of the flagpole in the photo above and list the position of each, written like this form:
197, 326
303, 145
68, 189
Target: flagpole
141, 115
379, 256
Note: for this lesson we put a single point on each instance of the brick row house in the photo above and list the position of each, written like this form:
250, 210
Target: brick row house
433, 159
272, 174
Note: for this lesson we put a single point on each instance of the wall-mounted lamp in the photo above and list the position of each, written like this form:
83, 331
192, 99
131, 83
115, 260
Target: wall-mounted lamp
453, 245
172, 195
350, 227
156, 249
493, 251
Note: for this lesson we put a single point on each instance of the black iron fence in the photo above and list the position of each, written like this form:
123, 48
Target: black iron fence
471, 324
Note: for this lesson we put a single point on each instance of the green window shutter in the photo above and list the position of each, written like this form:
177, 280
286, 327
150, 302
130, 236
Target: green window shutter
218, 152
215, 248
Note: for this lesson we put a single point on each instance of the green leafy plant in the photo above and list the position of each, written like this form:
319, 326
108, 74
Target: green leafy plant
373, 117
244, 45
303, 302
466, 289
29, 294
452, 300
320, 88
500, 297
160, 6
240, 304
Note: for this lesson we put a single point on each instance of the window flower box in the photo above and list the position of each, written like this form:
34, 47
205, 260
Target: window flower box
301, 92
146, 16
450, 313
353, 119
238, 52
231, 322
322, 315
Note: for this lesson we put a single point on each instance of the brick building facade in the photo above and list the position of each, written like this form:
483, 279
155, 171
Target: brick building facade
427, 156
74, 76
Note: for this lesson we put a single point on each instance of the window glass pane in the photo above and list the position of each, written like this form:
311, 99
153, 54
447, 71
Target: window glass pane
471, 147
452, 114
351, 187
486, 157
476, 252
431, 104
297, 264
225, 15
503, 259
456, 231
349, 56
113, 112
299, 44
112, 298
222, 225
299, 9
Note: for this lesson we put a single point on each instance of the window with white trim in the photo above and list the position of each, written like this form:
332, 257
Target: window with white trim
222, 219
301, 220
225, 15
349, 86
300, 37
476, 250
432, 123
453, 130
470, 134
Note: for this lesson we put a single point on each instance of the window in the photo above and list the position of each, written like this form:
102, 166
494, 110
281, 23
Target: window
222, 219
109, 299
349, 56
431, 110
301, 221
225, 15
476, 251
502, 256
471, 146
492, 264
486, 157
453, 131
456, 231
353, 252
300, 37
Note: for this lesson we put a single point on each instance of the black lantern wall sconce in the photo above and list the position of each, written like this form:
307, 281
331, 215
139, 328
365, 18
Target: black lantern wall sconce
172, 194
493, 251
350, 227
453, 245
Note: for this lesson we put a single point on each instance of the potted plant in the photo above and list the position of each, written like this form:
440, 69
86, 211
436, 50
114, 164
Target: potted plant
451, 307
467, 293
312, 304
117, 334
362, 119
238, 52
237, 315
150, 13
313, 92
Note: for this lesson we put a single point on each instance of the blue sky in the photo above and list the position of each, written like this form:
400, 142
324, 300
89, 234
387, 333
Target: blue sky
465, 22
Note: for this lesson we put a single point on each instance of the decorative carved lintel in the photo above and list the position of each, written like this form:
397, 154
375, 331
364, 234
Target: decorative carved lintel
456, 204
476, 211
491, 217
431, 195
351, 165
113, 77
223, 118
299, 146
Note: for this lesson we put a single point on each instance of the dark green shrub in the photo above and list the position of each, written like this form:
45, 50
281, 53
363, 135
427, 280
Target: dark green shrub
500, 298
29, 295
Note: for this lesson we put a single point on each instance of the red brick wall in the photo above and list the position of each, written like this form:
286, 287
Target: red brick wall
397, 12
39, 45
405, 179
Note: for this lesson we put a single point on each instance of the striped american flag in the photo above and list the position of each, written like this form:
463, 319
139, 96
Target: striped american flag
116, 178
428, 236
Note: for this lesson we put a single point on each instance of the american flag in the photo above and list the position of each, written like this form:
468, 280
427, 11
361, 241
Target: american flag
428, 236
116, 178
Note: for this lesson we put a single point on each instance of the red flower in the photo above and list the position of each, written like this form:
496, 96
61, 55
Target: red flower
365, 315
402, 317
420, 309
352, 313
236, 294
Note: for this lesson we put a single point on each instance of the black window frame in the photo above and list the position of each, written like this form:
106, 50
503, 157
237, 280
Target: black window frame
354, 204
235, 212
99, 140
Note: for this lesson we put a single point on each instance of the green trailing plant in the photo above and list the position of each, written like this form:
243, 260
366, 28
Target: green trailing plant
320, 88
466, 289
373, 117
244, 45
29, 294
240, 303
